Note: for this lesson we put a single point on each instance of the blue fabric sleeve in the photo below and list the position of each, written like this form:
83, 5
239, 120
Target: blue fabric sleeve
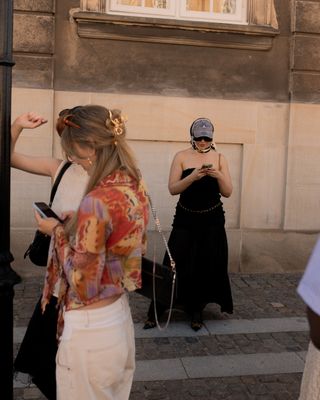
309, 286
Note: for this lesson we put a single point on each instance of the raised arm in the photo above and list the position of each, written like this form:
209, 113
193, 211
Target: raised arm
36, 165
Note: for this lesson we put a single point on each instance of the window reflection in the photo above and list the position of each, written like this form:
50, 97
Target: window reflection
144, 3
217, 6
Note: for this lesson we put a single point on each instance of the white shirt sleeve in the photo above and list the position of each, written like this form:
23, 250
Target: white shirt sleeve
309, 286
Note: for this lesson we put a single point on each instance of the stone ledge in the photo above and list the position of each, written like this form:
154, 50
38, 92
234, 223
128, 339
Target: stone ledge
138, 29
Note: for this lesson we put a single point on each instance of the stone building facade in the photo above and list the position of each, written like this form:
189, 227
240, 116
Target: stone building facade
258, 82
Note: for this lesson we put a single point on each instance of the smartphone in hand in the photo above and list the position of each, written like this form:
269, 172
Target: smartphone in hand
45, 211
204, 166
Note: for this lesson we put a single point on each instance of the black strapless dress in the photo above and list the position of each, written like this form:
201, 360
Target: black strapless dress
198, 244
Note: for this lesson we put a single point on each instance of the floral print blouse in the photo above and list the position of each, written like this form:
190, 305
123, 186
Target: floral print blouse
105, 259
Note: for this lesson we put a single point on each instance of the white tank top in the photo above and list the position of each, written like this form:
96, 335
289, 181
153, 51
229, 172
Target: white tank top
70, 190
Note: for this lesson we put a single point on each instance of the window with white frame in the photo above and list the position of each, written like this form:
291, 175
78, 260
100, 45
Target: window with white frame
228, 11
253, 23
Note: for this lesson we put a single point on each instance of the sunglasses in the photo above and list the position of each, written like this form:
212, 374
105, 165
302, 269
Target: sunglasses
205, 138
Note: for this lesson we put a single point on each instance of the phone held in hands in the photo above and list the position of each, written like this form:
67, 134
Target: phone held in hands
45, 211
205, 166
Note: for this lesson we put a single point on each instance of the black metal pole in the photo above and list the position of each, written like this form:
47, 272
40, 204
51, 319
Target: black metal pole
8, 278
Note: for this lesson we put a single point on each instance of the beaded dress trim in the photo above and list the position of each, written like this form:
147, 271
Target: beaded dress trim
200, 211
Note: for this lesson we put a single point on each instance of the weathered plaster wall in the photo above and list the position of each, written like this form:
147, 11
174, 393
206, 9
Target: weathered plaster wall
43, 28
165, 69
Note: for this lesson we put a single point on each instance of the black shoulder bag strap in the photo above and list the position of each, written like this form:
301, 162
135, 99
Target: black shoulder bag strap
57, 181
52, 194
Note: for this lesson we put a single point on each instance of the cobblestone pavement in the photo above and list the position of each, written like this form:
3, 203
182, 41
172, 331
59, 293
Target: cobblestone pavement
255, 296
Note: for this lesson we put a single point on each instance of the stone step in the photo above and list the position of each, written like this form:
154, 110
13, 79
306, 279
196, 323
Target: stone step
216, 327
211, 367
227, 327
217, 365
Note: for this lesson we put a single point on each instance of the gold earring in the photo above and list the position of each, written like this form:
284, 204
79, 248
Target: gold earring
89, 161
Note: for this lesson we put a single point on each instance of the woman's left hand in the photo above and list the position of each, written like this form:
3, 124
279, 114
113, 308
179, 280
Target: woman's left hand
46, 225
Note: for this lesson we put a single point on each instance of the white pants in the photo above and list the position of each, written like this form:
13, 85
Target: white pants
310, 383
96, 355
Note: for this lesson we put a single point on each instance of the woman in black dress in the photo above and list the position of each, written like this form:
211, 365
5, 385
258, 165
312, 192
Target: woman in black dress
198, 241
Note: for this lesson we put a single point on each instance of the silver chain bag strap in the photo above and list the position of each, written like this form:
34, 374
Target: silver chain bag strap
172, 265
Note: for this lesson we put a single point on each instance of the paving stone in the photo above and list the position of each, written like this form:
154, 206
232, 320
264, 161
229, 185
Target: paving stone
253, 295
168, 369
236, 365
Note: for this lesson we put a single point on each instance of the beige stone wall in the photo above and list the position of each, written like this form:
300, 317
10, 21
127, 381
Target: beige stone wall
303, 177
26, 188
273, 153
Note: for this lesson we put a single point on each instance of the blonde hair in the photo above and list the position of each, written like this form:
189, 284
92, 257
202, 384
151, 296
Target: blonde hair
103, 130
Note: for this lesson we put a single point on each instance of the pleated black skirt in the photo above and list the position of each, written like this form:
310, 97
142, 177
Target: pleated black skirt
201, 258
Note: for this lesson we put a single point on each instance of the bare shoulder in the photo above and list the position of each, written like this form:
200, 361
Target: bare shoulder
182, 154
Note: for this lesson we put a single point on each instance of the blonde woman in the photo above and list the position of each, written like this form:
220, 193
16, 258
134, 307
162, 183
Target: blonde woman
98, 257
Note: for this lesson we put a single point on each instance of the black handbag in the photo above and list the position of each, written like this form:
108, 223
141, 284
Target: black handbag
159, 280
163, 276
39, 248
